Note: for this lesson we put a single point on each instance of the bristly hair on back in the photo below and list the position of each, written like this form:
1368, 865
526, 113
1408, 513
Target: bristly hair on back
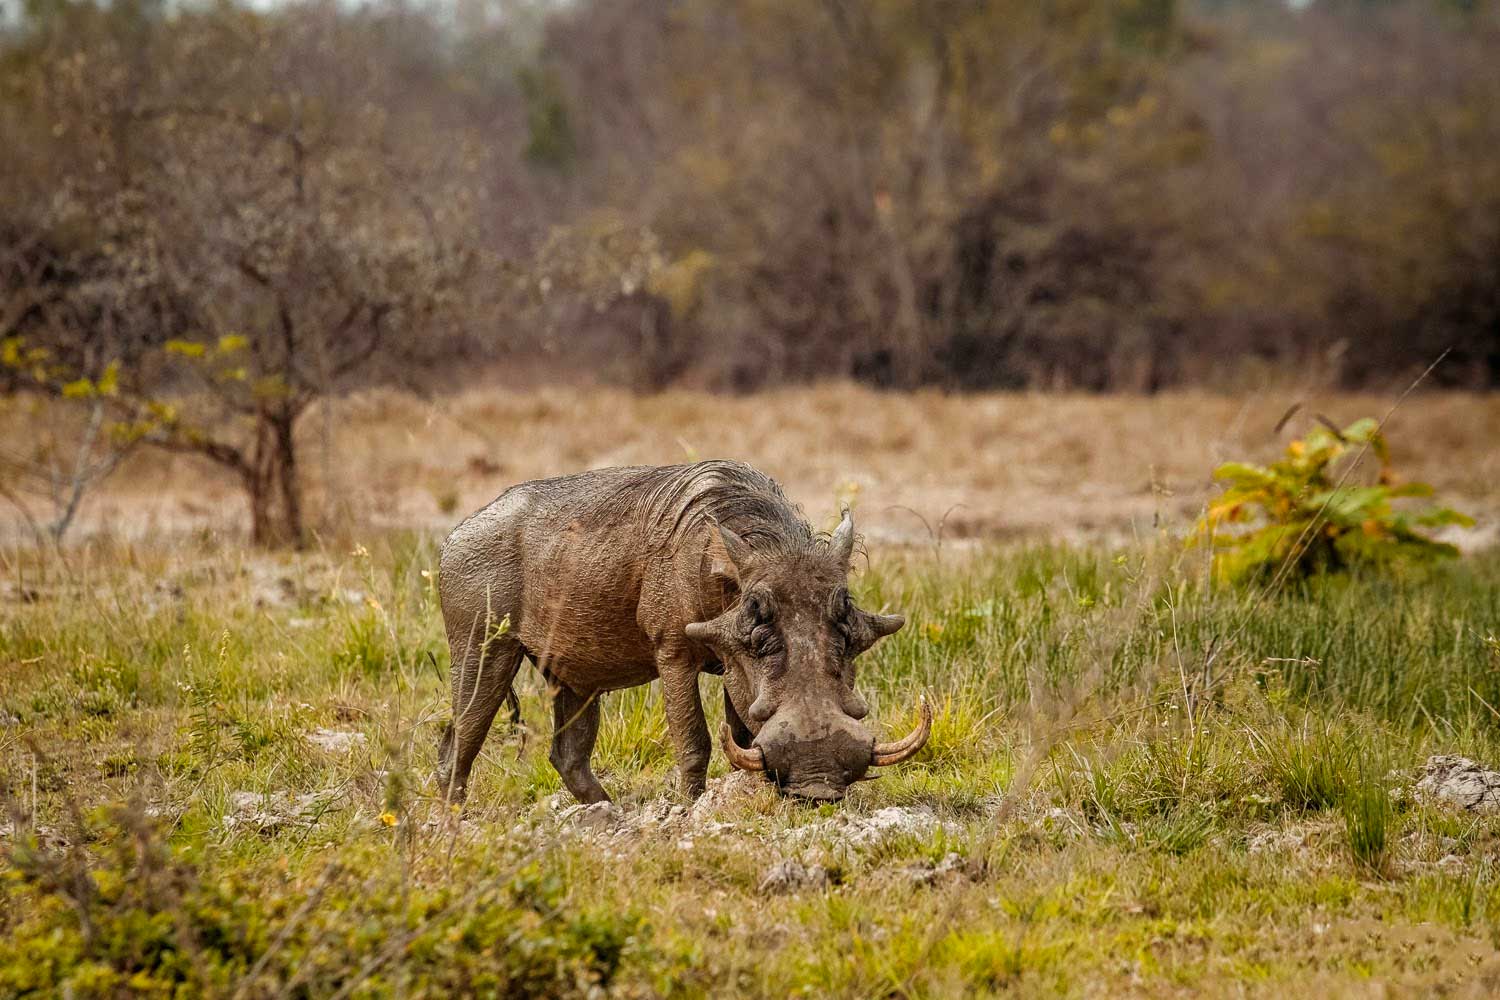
673, 501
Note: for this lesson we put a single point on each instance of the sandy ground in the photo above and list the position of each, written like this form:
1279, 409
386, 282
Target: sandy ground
916, 466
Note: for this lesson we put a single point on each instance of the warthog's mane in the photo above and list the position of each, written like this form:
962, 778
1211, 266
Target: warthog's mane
674, 501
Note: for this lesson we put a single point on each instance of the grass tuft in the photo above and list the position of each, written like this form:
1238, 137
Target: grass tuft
1370, 821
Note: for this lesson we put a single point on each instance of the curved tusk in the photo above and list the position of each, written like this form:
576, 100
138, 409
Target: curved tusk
746, 760
894, 753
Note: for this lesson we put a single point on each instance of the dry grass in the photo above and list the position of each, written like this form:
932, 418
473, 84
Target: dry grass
997, 465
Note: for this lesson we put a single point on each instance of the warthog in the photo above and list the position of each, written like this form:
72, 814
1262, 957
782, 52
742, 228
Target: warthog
613, 578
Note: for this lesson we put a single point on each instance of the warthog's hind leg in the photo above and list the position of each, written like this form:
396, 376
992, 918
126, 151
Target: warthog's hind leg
576, 719
482, 677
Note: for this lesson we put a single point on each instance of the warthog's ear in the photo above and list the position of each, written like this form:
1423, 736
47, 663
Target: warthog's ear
728, 554
865, 629
716, 631
841, 542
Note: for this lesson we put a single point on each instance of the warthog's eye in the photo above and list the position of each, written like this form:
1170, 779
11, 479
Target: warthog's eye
765, 640
761, 636
854, 633
841, 614
758, 609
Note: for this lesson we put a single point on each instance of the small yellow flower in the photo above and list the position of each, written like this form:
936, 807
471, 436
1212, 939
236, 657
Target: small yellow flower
934, 630
388, 818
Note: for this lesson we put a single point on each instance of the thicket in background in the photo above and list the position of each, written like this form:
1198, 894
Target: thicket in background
1086, 195
1081, 195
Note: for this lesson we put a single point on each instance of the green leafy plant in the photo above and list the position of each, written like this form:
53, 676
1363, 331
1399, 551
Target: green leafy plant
1302, 517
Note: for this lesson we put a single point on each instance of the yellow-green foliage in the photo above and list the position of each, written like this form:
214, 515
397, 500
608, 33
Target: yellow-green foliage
135, 916
1310, 519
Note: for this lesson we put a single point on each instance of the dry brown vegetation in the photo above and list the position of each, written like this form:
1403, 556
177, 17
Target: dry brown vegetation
981, 466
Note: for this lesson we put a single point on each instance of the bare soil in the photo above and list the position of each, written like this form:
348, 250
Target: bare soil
920, 468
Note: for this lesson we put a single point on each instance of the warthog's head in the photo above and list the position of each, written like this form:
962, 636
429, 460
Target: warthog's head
788, 647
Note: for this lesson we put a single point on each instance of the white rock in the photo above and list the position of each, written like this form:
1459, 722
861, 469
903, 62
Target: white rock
735, 786
609, 824
1460, 781
1275, 841
790, 875
267, 812
335, 740
928, 873
861, 833
598, 816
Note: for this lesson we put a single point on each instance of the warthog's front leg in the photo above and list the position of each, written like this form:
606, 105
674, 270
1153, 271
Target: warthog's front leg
685, 723
576, 720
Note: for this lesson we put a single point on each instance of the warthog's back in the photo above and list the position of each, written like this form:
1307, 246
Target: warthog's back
569, 560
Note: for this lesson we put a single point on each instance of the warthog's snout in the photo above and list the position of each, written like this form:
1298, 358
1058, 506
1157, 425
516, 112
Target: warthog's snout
819, 762
815, 761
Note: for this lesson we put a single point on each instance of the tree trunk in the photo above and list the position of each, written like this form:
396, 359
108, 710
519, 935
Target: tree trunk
262, 523
291, 487
272, 485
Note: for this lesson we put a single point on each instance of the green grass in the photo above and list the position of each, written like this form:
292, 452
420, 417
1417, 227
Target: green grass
1370, 821
1151, 785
